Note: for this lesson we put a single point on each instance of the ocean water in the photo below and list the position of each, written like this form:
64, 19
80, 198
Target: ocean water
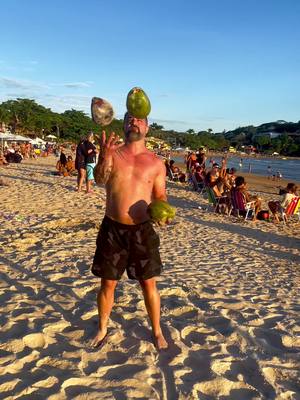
289, 169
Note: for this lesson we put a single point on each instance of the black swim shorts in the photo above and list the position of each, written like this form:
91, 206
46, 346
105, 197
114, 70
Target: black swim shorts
130, 247
80, 163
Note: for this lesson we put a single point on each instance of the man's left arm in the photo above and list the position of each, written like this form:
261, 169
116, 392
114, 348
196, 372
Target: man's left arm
159, 186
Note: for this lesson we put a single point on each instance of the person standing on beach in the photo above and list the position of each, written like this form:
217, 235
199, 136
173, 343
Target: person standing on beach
90, 161
134, 177
241, 164
80, 163
269, 171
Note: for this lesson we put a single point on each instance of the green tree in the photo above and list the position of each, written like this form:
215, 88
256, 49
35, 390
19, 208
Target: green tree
156, 127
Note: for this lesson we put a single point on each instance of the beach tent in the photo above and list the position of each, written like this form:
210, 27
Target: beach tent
19, 138
10, 137
6, 136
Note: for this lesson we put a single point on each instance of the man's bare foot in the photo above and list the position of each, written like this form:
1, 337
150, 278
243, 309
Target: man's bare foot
99, 339
160, 342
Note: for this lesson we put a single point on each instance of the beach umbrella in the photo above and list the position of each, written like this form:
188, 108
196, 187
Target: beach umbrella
51, 137
37, 140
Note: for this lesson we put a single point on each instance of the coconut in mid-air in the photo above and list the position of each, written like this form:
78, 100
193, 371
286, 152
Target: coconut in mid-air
102, 111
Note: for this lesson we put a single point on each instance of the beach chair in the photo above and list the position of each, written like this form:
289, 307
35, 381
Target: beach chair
173, 176
293, 208
214, 200
198, 186
240, 206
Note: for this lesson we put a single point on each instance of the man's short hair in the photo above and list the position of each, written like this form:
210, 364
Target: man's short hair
126, 115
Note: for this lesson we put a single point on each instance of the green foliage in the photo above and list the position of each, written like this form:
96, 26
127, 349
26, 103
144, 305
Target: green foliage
25, 116
286, 143
156, 127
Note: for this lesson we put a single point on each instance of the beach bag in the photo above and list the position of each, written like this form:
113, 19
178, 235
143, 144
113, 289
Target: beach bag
263, 215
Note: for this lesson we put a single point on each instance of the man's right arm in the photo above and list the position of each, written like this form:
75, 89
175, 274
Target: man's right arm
104, 166
103, 169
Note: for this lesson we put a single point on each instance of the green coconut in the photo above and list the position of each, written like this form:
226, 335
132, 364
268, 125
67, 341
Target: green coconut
161, 211
138, 103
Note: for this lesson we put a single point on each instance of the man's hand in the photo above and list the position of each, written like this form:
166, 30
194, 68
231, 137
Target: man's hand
108, 147
168, 221
104, 166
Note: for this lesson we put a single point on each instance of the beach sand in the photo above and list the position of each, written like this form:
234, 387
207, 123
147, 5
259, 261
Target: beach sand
229, 294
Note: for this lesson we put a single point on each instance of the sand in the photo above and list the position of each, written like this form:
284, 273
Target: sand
229, 293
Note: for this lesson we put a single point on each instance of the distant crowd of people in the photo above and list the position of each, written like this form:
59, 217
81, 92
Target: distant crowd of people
15, 152
230, 190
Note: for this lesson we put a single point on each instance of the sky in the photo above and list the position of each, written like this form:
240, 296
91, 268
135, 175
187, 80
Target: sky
215, 64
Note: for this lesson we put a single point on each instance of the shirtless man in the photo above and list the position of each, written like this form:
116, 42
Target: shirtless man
134, 177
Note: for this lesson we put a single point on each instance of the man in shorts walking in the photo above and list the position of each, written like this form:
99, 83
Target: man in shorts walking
134, 177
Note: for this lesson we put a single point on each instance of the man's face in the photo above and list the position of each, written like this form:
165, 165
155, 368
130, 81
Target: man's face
135, 128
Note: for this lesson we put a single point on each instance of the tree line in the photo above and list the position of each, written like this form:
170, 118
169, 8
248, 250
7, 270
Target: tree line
25, 116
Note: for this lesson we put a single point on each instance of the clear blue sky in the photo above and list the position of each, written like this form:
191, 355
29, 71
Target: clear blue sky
214, 64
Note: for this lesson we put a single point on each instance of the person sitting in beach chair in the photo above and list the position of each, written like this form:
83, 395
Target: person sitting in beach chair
281, 207
191, 161
220, 204
198, 178
216, 178
176, 173
231, 176
242, 202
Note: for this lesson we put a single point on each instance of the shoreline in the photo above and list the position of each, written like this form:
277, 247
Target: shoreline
253, 178
238, 155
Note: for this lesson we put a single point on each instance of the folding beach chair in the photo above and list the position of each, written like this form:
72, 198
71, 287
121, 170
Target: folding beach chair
198, 186
173, 176
215, 201
293, 208
240, 206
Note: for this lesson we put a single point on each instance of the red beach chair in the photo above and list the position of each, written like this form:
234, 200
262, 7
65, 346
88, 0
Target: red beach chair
239, 204
293, 208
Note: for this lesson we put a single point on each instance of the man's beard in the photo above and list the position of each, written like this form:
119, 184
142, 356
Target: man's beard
133, 135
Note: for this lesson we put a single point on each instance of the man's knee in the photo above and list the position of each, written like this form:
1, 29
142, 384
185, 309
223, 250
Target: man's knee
148, 285
108, 285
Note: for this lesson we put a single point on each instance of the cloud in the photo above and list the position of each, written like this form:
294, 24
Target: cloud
168, 121
74, 85
65, 102
21, 84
